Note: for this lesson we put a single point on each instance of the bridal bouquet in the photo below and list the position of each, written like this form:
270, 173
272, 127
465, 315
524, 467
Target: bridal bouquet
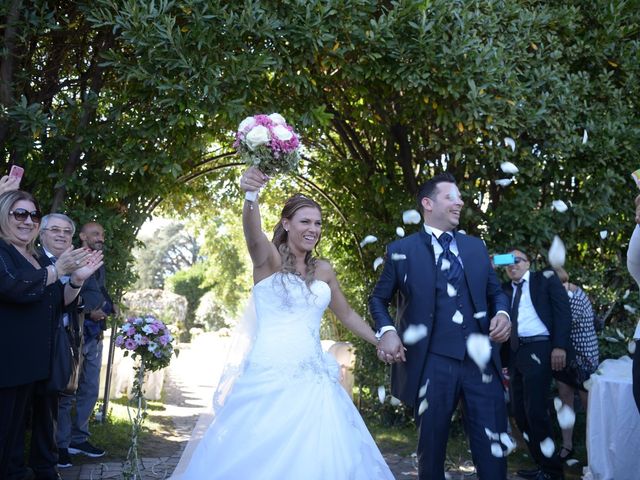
148, 339
268, 143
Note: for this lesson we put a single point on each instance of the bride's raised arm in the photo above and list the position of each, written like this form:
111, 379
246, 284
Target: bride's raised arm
264, 255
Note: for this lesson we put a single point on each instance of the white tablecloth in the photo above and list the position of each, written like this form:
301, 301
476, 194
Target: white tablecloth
613, 424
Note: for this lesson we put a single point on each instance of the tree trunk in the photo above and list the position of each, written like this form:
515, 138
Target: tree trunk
7, 64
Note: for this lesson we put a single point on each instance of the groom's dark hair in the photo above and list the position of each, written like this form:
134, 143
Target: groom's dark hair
429, 187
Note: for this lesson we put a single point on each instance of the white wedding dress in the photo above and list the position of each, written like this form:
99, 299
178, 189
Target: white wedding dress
287, 416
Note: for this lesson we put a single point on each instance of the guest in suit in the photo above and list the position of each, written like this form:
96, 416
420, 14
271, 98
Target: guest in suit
31, 301
633, 265
445, 282
539, 344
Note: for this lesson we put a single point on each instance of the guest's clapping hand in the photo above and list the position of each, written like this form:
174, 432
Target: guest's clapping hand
500, 328
72, 259
88, 266
390, 348
253, 180
8, 183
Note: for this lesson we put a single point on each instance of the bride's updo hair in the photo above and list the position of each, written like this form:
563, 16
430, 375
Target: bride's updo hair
280, 236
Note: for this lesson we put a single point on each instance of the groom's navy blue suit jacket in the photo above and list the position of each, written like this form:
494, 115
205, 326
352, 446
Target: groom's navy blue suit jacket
410, 271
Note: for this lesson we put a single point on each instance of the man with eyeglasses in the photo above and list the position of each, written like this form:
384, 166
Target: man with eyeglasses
73, 433
541, 319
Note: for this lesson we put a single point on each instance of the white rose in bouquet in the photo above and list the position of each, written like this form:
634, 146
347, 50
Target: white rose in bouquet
247, 124
277, 119
282, 133
257, 136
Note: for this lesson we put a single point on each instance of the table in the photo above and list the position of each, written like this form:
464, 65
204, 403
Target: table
613, 423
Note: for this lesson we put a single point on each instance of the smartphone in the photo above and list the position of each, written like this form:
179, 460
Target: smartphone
16, 171
504, 259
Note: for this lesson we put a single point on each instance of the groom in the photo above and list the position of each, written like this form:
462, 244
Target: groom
445, 282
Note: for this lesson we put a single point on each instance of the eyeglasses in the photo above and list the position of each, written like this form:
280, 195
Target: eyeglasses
67, 232
520, 259
21, 215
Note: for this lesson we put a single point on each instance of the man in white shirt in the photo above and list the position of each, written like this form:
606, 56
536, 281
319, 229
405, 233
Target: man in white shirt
541, 322
633, 265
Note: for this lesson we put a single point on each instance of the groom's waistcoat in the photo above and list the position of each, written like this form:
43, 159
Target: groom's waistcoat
449, 338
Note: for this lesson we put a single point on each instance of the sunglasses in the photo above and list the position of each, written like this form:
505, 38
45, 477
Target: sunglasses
21, 215
520, 259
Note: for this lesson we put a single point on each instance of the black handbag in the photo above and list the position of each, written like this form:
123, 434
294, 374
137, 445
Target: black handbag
67, 356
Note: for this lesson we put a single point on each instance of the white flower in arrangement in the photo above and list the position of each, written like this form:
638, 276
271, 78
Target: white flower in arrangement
367, 240
147, 329
411, 217
508, 167
400, 232
559, 206
510, 142
153, 346
504, 182
479, 349
414, 333
557, 253
246, 124
258, 135
282, 133
277, 119
398, 256
382, 394
377, 262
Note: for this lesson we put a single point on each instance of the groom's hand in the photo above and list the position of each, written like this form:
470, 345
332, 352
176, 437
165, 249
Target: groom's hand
390, 348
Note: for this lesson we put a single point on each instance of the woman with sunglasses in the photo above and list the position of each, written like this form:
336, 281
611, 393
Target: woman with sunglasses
32, 299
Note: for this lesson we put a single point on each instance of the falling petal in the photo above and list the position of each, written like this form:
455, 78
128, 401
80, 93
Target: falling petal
414, 333
510, 142
496, 450
525, 436
587, 384
612, 340
603, 234
571, 462
566, 417
423, 406
367, 240
423, 389
559, 205
451, 290
377, 262
536, 359
486, 378
457, 317
557, 404
508, 442
445, 265
504, 182
620, 334
626, 294
491, 435
629, 308
462, 232
508, 167
557, 253
411, 217
398, 256
394, 401
631, 347
548, 273
585, 136
382, 394
405, 278
479, 349
547, 447
400, 231
479, 315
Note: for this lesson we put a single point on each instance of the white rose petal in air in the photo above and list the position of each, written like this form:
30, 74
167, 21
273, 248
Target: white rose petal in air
398, 256
246, 124
571, 462
510, 142
620, 334
479, 315
496, 450
445, 265
629, 308
414, 333
423, 406
258, 135
525, 436
377, 262
382, 394
508, 167
548, 273
451, 290
626, 294
603, 234
411, 217
367, 240
462, 232
557, 404
631, 347
457, 317
612, 340
423, 389
277, 119
587, 383
394, 401
491, 435
585, 136
559, 205
479, 349
400, 231
547, 447
508, 442
566, 417
282, 133
536, 359
557, 253
486, 378
504, 182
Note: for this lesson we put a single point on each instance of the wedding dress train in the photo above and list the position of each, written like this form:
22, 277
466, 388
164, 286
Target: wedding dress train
287, 416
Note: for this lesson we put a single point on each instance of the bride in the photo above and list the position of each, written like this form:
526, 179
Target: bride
286, 415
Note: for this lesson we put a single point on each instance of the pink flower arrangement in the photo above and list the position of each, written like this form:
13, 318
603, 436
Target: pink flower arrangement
148, 339
268, 143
